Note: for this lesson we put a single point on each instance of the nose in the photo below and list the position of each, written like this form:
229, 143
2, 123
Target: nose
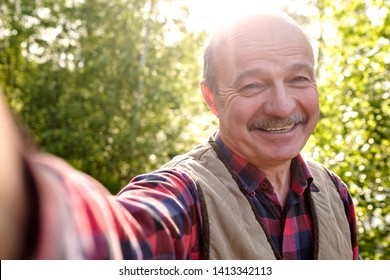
279, 102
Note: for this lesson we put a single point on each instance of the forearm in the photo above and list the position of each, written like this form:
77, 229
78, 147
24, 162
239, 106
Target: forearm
13, 196
166, 206
79, 219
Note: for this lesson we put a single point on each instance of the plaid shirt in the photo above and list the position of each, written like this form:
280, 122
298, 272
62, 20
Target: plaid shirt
157, 215
290, 227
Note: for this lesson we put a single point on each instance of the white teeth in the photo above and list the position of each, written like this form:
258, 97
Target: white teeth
280, 129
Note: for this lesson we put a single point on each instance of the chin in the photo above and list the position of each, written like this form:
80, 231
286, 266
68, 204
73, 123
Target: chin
283, 154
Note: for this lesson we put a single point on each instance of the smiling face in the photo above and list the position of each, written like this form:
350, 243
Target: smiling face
267, 100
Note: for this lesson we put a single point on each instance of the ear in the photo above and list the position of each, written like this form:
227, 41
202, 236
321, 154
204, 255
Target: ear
208, 97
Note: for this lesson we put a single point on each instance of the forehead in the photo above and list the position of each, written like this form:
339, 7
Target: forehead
261, 38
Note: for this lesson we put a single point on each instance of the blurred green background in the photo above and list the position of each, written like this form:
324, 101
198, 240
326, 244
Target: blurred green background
112, 86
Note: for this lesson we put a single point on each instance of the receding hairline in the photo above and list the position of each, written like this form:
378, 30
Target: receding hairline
225, 30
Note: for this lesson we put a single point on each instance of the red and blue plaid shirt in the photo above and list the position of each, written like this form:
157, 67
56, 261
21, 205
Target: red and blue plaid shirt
290, 227
158, 215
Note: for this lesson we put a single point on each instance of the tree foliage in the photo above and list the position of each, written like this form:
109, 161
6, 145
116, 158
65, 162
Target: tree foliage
99, 83
352, 138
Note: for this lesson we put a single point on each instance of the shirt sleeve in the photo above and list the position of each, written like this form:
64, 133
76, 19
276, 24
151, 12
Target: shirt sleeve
156, 216
166, 204
350, 213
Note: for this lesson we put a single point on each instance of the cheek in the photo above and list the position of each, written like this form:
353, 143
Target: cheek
308, 100
240, 110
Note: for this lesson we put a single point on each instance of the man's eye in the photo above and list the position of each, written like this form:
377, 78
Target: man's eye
300, 79
251, 86
252, 89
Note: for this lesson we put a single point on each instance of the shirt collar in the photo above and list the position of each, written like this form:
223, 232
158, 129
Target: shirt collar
254, 179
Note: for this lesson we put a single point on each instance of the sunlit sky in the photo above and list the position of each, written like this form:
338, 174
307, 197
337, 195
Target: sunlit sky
209, 14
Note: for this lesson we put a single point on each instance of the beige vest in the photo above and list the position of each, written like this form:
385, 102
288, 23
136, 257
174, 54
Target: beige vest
232, 230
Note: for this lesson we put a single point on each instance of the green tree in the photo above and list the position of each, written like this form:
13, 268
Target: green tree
352, 138
98, 82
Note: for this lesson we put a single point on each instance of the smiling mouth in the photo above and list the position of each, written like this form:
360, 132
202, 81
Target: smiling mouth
278, 126
283, 129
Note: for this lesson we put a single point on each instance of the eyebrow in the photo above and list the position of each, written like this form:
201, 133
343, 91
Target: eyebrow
249, 72
301, 67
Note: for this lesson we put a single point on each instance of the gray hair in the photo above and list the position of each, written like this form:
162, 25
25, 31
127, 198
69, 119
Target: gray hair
209, 72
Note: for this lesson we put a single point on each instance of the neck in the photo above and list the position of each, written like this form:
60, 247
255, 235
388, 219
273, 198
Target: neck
280, 178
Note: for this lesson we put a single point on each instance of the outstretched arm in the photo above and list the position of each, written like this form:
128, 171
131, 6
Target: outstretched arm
157, 216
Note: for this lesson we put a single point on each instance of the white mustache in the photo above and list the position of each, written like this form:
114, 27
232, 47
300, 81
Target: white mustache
277, 122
